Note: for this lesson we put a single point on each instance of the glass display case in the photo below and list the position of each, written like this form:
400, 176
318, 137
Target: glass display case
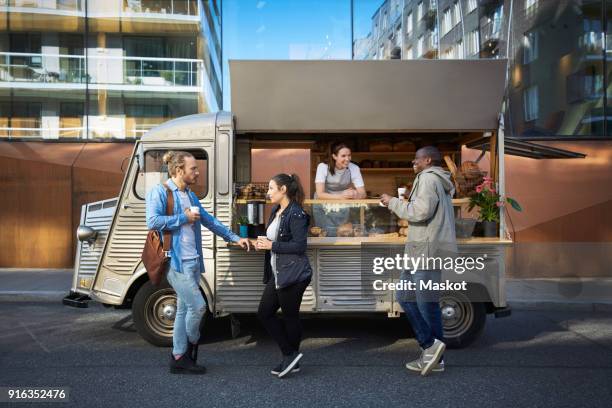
351, 219
335, 222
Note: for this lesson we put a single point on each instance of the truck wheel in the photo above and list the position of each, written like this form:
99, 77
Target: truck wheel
153, 311
462, 319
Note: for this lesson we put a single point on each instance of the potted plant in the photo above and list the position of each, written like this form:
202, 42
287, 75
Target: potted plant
243, 224
488, 202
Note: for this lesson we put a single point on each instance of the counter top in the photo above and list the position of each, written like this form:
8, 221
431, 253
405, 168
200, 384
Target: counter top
456, 201
353, 241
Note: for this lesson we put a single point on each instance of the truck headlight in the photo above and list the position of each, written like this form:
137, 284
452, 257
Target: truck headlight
85, 233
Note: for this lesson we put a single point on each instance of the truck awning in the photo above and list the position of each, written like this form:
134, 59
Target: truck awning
366, 96
518, 147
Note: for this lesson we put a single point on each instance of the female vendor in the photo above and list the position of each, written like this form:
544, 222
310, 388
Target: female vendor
338, 179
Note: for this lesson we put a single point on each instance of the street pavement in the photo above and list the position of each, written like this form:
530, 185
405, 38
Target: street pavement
530, 359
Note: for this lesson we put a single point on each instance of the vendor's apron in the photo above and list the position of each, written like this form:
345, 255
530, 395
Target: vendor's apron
329, 216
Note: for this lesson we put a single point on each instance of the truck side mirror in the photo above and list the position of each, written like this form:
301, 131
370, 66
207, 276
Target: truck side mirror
140, 159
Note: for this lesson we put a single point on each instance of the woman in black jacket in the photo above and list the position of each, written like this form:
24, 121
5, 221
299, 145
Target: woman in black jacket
287, 271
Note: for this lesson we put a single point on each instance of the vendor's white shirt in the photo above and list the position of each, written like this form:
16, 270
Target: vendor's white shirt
356, 178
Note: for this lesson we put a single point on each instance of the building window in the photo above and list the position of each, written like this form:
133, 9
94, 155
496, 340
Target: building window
530, 47
472, 43
591, 34
419, 11
530, 102
531, 7
409, 53
456, 13
420, 46
409, 24
398, 37
447, 21
460, 51
471, 5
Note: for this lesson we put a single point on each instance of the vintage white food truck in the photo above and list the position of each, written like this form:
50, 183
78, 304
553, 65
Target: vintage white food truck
383, 109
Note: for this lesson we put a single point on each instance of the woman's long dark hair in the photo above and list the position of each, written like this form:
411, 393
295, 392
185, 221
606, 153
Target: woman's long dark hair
334, 148
295, 192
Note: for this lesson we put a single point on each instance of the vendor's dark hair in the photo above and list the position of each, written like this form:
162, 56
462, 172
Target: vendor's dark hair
292, 183
334, 148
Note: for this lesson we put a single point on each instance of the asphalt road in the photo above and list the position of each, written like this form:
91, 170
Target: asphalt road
533, 358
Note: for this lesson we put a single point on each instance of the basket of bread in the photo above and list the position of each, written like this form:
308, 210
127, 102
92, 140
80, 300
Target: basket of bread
465, 178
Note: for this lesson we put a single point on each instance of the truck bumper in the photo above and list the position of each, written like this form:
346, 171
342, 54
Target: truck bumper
75, 299
502, 312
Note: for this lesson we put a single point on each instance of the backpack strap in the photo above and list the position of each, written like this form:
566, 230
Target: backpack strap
167, 242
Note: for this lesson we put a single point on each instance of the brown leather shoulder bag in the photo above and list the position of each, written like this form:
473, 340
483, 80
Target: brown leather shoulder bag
155, 255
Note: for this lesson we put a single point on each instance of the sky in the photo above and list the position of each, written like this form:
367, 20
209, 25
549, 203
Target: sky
291, 29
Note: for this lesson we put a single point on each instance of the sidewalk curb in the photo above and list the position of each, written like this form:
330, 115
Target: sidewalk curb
560, 306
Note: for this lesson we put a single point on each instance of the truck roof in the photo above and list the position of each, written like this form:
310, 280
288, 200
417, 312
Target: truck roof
198, 126
367, 96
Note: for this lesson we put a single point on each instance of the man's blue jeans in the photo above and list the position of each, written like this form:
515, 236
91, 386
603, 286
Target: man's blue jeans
424, 312
190, 305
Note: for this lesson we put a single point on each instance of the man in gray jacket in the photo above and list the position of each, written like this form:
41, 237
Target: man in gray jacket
431, 236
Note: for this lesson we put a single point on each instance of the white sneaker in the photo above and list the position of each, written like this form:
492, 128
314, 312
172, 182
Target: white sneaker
431, 356
417, 365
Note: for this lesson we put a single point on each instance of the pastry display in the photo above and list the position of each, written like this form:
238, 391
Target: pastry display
345, 230
315, 231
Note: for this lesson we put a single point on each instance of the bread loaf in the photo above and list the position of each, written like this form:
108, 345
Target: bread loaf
404, 146
345, 230
381, 146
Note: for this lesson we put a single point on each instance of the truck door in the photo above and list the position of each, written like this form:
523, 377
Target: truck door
121, 257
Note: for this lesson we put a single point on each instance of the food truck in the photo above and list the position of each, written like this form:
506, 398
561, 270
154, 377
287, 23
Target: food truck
384, 110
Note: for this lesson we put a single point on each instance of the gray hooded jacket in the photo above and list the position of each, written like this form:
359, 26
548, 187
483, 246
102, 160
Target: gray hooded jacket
430, 215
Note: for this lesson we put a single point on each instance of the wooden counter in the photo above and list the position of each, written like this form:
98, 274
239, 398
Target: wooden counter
456, 201
353, 241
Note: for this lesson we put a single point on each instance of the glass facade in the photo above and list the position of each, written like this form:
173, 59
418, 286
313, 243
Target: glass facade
105, 70
557, 52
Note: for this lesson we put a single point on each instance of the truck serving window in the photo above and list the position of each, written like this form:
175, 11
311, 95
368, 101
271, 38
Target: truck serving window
156, 172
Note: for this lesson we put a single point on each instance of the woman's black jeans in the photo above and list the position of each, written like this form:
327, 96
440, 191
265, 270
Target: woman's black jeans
287, 332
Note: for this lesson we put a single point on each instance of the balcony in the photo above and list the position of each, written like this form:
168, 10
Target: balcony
170, 7
491, 35
58, 7
100, 127
116, 9
48, 71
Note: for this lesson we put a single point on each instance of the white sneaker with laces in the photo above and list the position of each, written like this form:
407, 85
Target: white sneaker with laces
431, 356
417, 365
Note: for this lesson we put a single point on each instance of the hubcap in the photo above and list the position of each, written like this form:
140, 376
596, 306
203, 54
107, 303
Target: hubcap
457, 315
160, 312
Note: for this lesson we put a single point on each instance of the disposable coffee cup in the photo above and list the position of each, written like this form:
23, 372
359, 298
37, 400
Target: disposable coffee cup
194, 209
401, 191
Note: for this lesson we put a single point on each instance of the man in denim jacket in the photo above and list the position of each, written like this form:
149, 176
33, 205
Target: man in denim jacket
186, 263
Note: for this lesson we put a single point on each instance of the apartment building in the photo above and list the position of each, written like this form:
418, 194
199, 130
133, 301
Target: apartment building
105, 70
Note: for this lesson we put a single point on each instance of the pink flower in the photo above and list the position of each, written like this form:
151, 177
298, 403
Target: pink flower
492, 190
479, 188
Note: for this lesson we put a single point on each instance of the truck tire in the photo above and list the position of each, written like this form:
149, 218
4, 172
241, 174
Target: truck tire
462, 319
153, 312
